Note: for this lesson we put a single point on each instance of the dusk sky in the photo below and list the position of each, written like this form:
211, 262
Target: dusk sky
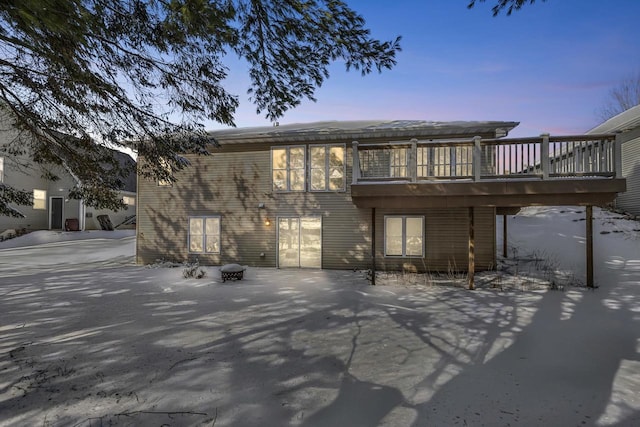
549, 66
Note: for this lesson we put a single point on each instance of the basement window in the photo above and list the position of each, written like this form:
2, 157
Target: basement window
404, 236
204, 235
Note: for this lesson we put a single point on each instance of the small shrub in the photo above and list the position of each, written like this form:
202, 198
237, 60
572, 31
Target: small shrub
193, 270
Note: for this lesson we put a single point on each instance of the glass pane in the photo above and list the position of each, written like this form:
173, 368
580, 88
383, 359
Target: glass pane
336, 184
414, 236
279, 180
39, 199
288, 244
213, 244
442, 157
296, 157
318, 181
398, 162
296, 178
310, 242
336, 178
195, 225
336, 156
318, 157
195, 243
393, 236
279, 158
212, 226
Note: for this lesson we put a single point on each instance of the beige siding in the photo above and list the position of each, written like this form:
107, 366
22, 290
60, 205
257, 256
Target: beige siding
630, 200
18, 177
232, 184
446, 240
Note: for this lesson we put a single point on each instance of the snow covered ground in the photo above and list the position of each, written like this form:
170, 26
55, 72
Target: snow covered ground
88, 338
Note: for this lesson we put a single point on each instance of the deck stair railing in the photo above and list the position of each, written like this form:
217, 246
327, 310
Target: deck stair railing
478, 159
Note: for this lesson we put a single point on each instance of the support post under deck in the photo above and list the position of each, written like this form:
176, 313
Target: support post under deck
589, 221
373, 246
472, 257
504, 236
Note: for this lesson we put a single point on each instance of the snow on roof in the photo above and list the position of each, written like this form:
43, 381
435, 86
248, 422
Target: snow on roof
627, 120
362, 129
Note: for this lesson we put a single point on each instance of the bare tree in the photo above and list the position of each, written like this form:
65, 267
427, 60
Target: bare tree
623, 96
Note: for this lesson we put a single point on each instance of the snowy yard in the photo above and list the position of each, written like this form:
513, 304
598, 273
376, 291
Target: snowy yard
88, 338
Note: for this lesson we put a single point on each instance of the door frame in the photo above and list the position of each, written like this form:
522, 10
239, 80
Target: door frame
50, 211
298, 217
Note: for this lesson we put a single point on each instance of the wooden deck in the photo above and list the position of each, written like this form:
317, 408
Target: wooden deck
546, 170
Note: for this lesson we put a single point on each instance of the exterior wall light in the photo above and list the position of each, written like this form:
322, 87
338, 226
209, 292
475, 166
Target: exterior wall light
267, 222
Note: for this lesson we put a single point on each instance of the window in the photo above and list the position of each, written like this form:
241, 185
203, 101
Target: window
167, 167
403, 236
398, 161
1, 169
288, 168
39, 199
129, 201
445, 161
326, 166
204, 235
463, 160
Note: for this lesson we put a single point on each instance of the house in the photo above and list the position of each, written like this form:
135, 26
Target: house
395, 195
627, 125
52, 206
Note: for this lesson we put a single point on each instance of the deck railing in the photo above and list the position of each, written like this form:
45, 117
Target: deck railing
478, 159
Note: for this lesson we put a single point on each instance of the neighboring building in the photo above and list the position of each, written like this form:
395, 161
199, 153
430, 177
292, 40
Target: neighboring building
51, 203
627, 124
410, 195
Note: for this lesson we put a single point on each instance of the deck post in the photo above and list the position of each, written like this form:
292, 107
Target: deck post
413, 160
373, 246
472, 256
589, 224
504, 236
355, 171
544, 155
477, 158
617, 152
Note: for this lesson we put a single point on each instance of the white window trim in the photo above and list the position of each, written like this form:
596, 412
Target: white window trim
288, 170
1, 169
327, 168
204, 234
404, 236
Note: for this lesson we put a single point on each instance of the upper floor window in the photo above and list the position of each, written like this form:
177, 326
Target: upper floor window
288, 168
445, 161
39, 199
204, 235
167, 167
1, 169
129, 201
398, 160
326, 165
